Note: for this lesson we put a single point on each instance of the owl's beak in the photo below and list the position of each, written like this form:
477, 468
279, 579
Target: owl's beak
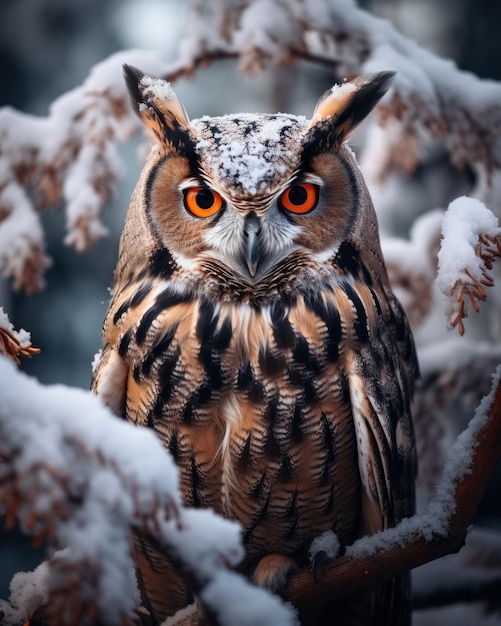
252, 242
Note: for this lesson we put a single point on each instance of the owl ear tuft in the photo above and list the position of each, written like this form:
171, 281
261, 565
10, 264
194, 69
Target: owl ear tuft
341, 109
157, 106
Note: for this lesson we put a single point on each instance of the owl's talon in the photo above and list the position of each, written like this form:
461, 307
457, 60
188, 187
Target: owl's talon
318, 563
323, 549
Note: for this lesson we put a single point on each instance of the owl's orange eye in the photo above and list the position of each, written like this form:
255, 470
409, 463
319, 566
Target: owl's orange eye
202, 202
300, 198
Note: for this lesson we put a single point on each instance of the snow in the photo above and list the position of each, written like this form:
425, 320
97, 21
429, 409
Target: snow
157, 88
208, 541
327, 542
342, 90
83, 478
249, 151
266, 27
76, 147
234, 601
465, 220
27, 591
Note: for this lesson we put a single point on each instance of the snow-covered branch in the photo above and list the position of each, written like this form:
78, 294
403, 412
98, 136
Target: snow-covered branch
81, 480
425, 537
430, 96
471, 242
14, 343
68, 158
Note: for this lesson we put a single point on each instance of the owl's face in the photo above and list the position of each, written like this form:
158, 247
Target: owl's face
245, 190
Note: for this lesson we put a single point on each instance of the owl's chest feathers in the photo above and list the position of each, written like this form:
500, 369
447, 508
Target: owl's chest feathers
251, 401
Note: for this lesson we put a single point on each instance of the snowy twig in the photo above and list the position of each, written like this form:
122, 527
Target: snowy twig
431, 96
69, 157
14, 344
82, 480
11, 347
471, 242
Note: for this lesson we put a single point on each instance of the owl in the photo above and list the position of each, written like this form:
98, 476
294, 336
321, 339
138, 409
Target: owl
253, 328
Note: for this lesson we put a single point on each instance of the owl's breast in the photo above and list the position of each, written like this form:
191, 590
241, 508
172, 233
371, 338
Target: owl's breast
253, 404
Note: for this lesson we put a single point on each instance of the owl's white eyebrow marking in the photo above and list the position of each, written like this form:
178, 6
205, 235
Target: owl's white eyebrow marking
187, 183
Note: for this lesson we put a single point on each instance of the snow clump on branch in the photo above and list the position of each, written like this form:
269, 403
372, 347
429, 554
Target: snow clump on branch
81, 479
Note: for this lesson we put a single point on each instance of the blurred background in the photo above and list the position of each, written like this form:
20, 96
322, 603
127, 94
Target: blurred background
47, 47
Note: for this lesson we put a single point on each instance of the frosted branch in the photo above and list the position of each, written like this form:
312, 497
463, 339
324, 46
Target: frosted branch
68, 158
431, 96
14, 344
81, 479
471, 242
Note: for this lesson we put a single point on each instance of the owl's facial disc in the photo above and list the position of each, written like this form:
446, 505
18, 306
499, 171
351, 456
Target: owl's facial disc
252, 246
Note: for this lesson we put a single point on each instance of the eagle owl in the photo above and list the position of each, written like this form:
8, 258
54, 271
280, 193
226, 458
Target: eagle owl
253, 328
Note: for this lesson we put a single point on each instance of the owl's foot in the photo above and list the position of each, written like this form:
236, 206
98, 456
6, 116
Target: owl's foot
323, 549
272, 572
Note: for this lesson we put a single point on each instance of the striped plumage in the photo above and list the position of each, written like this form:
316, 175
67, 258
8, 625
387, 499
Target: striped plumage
262, 343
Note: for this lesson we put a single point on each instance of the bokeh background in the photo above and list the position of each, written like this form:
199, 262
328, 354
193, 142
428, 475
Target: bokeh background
48, 47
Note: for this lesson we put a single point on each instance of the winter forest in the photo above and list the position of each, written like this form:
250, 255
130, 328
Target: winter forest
74, 480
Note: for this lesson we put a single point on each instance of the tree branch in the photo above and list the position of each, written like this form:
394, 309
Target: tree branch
423, 538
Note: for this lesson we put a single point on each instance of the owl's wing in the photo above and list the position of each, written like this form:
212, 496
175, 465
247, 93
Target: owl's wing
381, 377
109, 380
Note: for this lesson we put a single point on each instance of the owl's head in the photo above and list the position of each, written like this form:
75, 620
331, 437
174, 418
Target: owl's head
246, 191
